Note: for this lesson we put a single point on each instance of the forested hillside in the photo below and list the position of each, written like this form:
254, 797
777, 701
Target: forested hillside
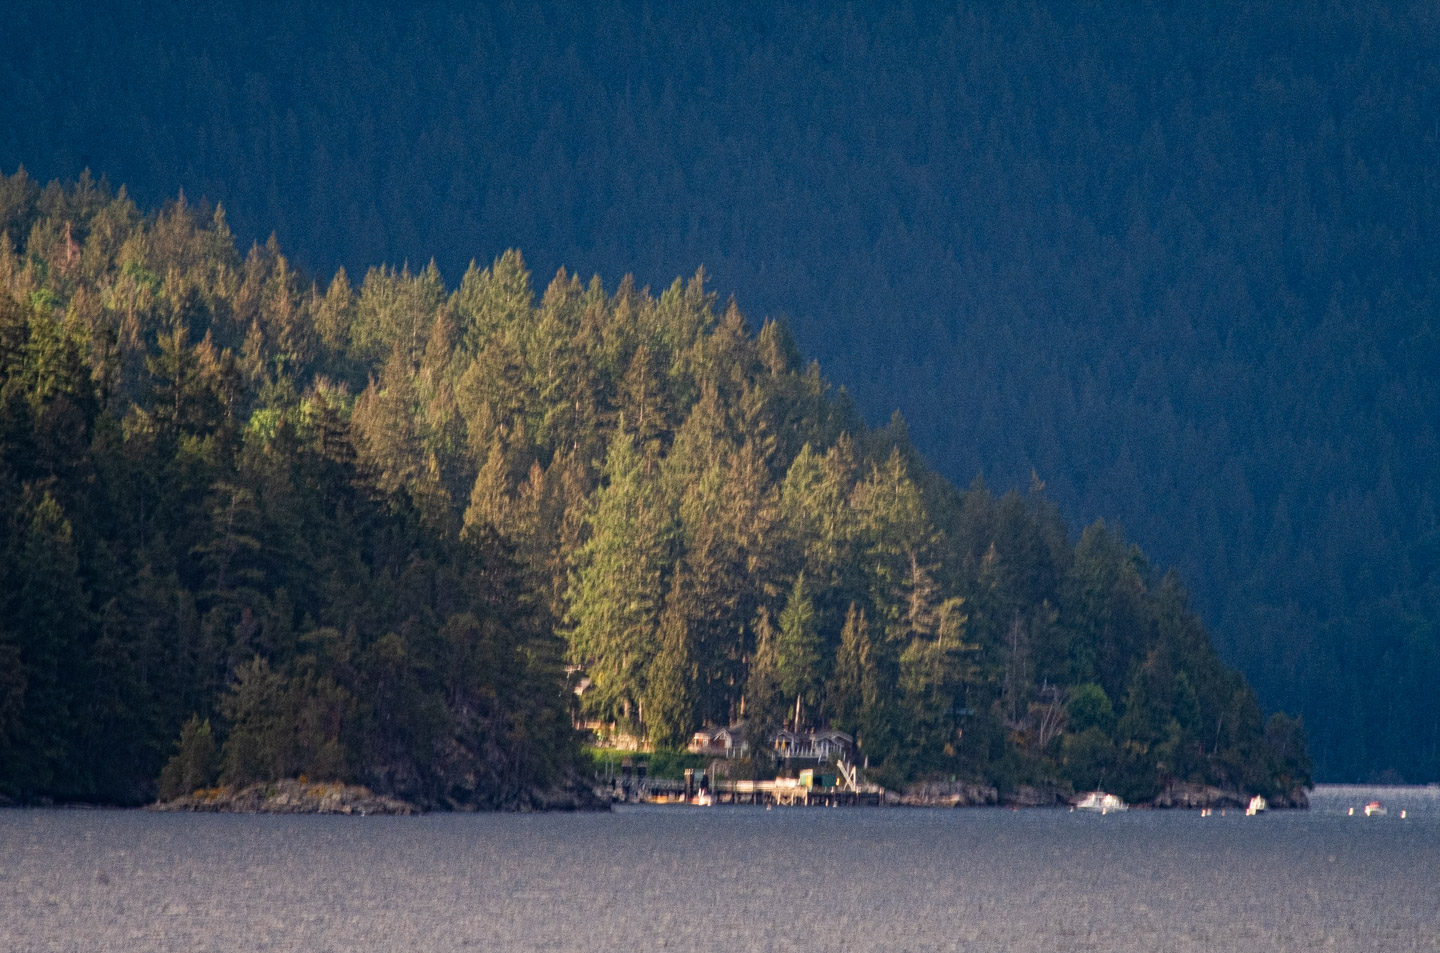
350, 530
193, 532
1176, 258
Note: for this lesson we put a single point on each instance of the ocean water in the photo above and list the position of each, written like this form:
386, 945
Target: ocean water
729, 879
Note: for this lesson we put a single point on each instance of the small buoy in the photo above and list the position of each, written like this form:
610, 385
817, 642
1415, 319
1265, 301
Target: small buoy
1402, 815
1352, 812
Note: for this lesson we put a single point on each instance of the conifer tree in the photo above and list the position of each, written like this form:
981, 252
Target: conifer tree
334, 317
492, 300
932, 674
669, 688
641, 397
47, 607
257, 747
797, 652
193, 764
853, 679
490, 497
764, 699
614, 598
896, 529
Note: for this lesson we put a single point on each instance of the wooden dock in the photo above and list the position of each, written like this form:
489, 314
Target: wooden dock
789, 792
811, 789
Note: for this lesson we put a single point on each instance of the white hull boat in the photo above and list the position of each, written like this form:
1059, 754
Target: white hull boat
1098, 802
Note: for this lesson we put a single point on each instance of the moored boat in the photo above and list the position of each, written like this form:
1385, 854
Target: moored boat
1101, 803
1375, 809
1256, 805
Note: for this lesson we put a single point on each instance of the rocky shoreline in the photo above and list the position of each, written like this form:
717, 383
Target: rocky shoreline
288, 797
1195, 797
1176, 796
306, 797
944, 794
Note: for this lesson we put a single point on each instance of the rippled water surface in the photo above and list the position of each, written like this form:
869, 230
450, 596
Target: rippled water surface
729, 879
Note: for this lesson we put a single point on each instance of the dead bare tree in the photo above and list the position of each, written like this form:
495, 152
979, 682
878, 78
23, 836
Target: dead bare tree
1051, 713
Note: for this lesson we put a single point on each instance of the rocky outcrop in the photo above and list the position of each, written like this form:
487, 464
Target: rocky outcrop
288, 797
1177, 796
944, 794
304, 797
574, 794
1026, 795
1298, 799
1183, 795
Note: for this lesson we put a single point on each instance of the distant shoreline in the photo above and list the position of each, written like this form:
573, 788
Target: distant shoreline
331, 798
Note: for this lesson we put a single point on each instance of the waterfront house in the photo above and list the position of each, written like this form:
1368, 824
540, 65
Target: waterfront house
725, 741
831, 744
729, 742
813, 745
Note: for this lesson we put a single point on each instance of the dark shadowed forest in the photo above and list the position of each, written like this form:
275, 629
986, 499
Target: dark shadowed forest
1174, 260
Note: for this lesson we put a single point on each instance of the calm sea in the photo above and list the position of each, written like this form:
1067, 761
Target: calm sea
729, 879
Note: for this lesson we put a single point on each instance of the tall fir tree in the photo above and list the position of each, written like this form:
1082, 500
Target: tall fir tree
614, 597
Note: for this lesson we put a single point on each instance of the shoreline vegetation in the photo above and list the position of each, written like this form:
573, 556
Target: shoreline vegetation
407, 536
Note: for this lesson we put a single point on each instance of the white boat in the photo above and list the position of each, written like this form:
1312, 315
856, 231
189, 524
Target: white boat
1101, 803
1257, 804
1375, 809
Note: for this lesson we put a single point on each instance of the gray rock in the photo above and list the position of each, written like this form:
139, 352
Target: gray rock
288, 797
944, 794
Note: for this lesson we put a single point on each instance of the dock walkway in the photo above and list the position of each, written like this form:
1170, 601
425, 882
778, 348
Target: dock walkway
808, 790
788, 792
